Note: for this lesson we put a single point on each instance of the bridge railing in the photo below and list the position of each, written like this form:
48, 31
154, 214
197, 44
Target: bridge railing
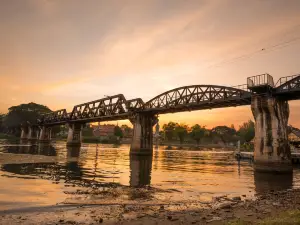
283, 80
260, 80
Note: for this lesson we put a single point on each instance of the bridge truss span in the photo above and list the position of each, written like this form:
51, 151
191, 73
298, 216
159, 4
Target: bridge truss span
289, 87
114, 107
55, 118
198, 97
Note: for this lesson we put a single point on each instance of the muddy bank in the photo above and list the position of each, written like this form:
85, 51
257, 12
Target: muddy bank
220, 211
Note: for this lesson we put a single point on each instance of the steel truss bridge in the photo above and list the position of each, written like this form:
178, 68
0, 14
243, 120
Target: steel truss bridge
187, 98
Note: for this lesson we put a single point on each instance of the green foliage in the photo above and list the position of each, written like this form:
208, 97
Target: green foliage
118, 132
287, 217
23, 113
90, 139
169, 130
247, 131
181, 131
197, 133
8, 136
2, 116
87, 132
226, 134
127, 131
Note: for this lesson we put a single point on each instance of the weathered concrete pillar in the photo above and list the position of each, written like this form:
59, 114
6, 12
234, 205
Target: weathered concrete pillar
271, 148
142, 139
140, 170
24, 132
74, 134
33, 133
45, 134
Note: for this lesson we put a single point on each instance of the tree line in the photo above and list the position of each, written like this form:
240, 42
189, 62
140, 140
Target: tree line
181, 132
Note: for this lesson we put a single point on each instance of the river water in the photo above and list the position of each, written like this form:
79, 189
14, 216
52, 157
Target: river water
43, 175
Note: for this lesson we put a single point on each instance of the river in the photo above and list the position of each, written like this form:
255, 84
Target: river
45, 175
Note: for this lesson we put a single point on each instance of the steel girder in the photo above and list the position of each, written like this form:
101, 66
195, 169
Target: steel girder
289, 87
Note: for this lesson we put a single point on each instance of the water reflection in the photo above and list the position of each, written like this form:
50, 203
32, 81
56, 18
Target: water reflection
27, 148
194, 174
140, 170
265, 182
73, 151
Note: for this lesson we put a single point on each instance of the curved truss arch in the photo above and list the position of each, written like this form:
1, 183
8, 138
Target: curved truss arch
197, 97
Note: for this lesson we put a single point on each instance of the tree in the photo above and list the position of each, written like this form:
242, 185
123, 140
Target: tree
226, 134
181, 131
127, 131
22, 113
169, 130
118, 132
197, 133
87, 131
2, 116
247, 131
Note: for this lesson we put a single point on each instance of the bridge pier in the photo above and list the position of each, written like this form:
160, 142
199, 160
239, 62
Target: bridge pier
74, 134
271, 147
24, 132
142, 140
45, 134
33, 133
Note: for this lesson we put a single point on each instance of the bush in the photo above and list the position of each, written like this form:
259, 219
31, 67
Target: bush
8, 136
91, 140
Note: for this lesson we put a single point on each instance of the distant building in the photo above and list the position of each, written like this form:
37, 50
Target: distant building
104, 130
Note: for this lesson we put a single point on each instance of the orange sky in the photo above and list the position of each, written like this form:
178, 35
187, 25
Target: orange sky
62, 53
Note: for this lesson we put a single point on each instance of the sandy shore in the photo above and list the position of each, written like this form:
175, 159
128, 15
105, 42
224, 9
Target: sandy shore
220, 211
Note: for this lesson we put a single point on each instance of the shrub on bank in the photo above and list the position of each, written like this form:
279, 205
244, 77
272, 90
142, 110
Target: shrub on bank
94, 139
91, 140
8, 136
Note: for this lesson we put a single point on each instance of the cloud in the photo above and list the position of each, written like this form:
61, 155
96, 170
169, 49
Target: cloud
66, 52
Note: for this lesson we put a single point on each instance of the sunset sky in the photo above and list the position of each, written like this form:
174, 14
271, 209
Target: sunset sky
62, 53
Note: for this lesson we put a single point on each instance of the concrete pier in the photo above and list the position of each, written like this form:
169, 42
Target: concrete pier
74, 134
271, 147
45, 134
142, 140
24, 132
33, 133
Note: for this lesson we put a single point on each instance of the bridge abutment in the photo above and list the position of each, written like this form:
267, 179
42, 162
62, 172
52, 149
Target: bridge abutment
142, 140
74, 134
271, 147
45, 134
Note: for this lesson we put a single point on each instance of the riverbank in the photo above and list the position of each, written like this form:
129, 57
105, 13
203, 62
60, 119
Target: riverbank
274, 207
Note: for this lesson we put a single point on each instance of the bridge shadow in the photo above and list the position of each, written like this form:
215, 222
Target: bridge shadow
27, 148
266, 182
